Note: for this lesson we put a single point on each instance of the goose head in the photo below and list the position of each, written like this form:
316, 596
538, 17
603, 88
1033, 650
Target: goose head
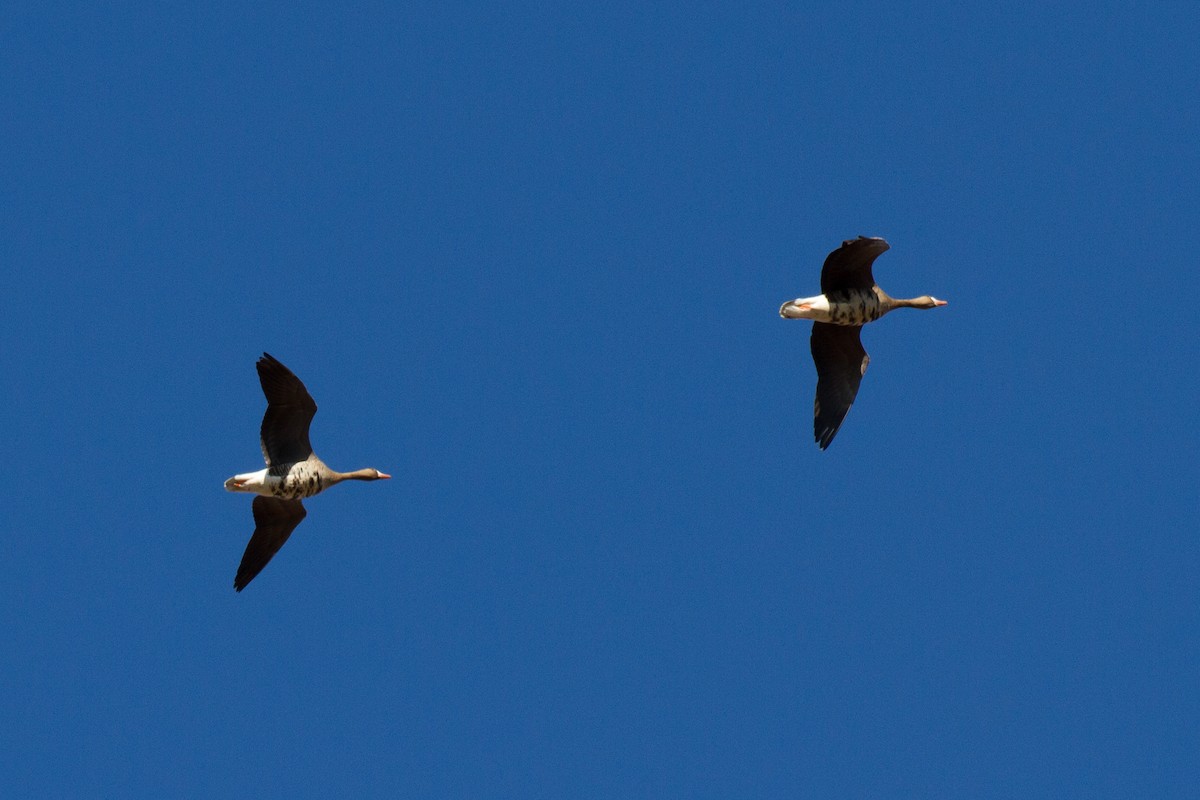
368, 474
924, 301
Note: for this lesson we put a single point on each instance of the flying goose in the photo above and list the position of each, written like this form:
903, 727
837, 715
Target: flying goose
293, 470
849, 299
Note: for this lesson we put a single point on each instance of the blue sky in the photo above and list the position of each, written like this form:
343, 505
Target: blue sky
528, 258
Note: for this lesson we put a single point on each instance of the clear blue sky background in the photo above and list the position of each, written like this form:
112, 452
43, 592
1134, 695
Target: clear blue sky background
528, 258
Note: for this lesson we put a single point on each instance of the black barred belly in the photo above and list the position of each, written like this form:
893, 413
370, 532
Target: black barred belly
301, 480
854, 307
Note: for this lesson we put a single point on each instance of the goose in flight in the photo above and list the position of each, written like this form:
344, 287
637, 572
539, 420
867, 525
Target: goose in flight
293, 470
849, 299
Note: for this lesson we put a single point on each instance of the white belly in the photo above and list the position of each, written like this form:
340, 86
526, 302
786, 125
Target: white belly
814, 308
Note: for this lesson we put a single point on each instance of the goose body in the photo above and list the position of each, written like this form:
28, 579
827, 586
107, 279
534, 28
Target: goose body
846, 307
293, 470
849, 299
295, 481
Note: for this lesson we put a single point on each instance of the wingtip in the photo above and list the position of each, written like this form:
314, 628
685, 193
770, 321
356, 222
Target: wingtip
876, 241
824, 437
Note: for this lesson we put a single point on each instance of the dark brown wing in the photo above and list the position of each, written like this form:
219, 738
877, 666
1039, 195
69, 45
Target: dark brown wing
284, 432
841, 363
849, 267
274, 521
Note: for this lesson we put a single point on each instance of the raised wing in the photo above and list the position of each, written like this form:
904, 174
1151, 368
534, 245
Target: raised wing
841, 363
290, 409
274, 521
849, 267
